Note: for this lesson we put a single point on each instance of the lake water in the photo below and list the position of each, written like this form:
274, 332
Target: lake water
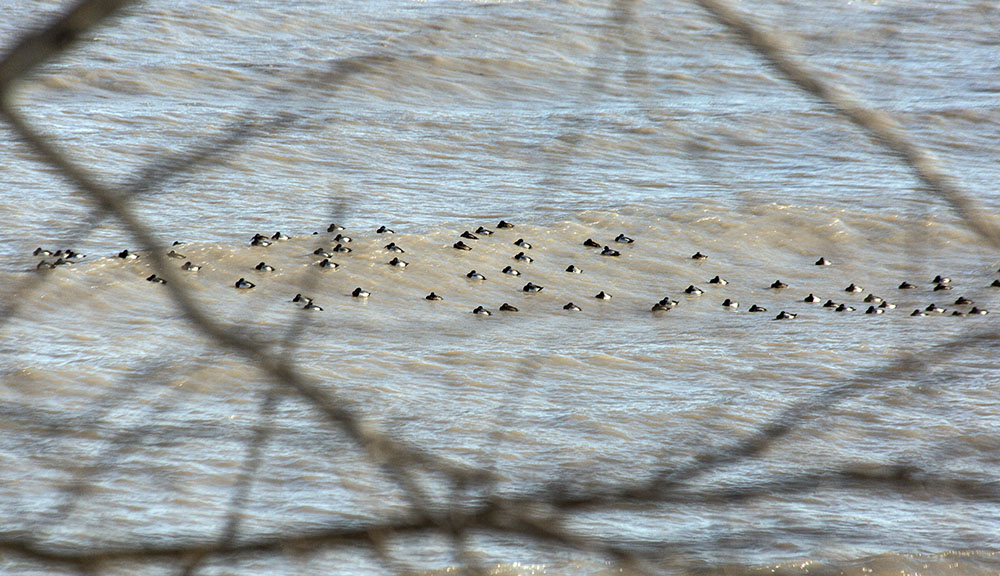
124, 425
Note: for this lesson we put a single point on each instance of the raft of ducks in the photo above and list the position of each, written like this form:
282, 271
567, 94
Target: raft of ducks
877, 305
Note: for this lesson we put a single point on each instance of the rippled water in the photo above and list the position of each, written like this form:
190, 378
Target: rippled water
573, 121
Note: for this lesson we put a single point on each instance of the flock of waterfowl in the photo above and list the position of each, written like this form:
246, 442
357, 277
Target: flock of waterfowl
324, 255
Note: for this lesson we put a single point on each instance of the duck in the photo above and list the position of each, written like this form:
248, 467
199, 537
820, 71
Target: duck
482, 311
730, 304
854, 288
327, 263
719, 281
522, 257
811, 299
522, 244
156, 279
433, 296
190, 267
665, 304
260, 240
280, 237
608, 251
461, 246
341, 248
693, 290
572, 307
391, 247
312, 307
602, 295
623, 239
359, 293
483, 231
532, 287
384, 230
906, 286
244, 284
469, 235
699, 256
505, 307
334, 227
505, 225
398, 263
176, 255
756, 308
511, 271
473, 275
823, 262
778, 285
589, 243
572, 269
263, 267
785, 316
